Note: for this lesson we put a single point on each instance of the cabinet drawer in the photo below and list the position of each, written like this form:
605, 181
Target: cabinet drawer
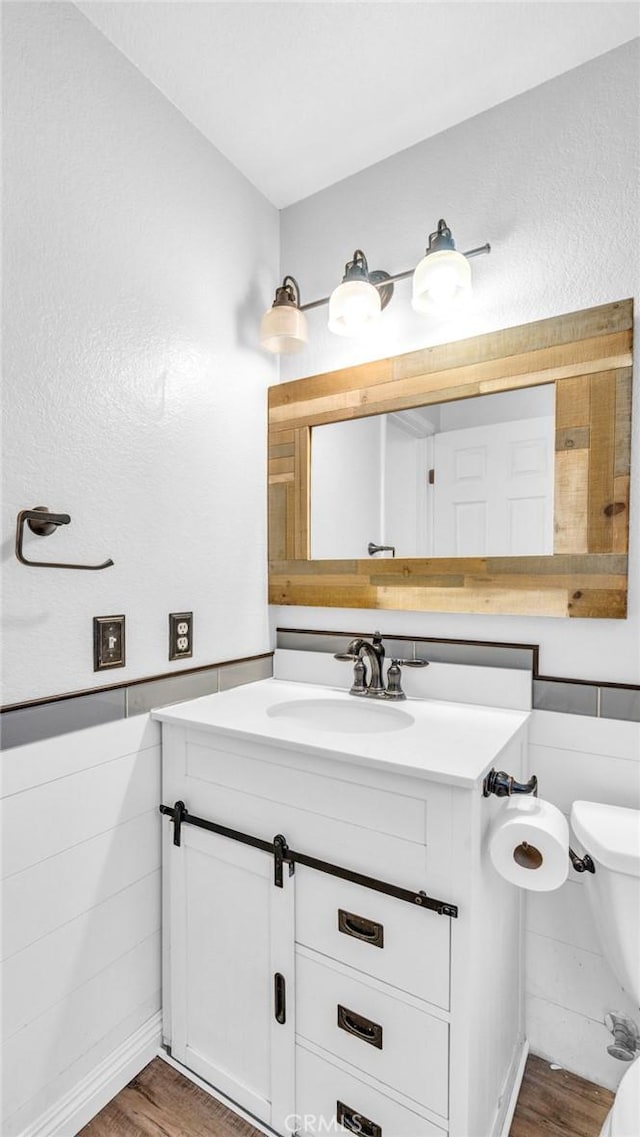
377, 934
392, 1039
325, 1092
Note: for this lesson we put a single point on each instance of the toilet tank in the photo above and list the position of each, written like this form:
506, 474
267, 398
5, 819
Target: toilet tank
611, 835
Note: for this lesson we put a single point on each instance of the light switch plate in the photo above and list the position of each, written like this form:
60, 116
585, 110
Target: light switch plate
180, 635
108, 642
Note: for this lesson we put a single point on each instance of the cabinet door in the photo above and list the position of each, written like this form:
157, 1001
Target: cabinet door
231, 932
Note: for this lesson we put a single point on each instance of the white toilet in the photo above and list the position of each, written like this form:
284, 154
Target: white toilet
611, 836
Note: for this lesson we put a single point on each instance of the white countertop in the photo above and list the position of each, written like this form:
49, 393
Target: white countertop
455, 743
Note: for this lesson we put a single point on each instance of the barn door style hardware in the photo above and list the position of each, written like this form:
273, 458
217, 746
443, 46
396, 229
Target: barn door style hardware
280, 850
42, 522
282, 854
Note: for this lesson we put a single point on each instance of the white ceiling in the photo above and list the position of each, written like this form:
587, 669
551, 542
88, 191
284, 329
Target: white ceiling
300, 94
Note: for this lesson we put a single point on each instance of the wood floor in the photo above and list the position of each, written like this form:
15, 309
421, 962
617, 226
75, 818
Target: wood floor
160, 1102
553, 1103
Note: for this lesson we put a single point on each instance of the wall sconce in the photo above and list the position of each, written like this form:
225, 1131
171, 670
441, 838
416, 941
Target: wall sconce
442, 280
284, 326
443, 277
355, 304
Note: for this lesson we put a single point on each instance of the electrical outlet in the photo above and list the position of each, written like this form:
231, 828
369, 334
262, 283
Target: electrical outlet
108, 642
180, 635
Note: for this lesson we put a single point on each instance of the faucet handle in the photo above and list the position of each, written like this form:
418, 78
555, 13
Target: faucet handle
394, 685
358, 686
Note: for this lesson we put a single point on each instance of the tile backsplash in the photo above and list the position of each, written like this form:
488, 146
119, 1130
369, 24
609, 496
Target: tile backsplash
39, 721
574, 697
451, 682
46, 719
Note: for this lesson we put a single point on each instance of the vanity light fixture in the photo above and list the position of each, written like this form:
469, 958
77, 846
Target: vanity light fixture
443, 277
356, 303
284, 326
441, 280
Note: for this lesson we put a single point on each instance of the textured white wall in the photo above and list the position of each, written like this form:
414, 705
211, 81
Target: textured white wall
550, 178
137, 263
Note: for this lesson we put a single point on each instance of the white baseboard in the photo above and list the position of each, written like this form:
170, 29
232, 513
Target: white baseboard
232, 1105
515, 1091
82, 1103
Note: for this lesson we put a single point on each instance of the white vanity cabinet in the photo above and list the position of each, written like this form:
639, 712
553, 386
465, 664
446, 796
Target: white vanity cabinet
230, 933
327, 997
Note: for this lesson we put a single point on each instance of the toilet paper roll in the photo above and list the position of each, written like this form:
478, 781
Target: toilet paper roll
529, 844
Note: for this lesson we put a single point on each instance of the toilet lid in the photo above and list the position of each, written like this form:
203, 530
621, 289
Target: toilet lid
625, 1115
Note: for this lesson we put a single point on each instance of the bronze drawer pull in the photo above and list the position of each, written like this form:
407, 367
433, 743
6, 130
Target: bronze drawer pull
356, 1122
364, 1029
360, 928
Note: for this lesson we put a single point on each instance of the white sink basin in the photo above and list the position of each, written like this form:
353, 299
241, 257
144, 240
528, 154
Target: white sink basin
345, 715
450, 743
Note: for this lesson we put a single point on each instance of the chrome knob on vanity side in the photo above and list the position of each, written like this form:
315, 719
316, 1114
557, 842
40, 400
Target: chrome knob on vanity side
373, 652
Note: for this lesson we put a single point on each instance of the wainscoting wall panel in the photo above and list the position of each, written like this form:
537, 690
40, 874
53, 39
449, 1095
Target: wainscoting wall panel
81, 903
570, 985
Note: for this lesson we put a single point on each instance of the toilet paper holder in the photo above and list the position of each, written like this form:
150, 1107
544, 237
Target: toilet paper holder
503, 785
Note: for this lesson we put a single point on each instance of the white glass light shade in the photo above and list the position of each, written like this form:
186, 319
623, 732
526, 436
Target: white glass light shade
283, 329
353, 306
441, 280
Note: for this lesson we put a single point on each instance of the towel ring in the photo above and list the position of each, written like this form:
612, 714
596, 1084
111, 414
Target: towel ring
42, 522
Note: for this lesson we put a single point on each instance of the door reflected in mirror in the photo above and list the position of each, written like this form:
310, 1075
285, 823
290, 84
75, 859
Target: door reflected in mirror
471, 478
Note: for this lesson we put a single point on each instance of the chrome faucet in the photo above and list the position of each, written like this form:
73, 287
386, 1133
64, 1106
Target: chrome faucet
373, 652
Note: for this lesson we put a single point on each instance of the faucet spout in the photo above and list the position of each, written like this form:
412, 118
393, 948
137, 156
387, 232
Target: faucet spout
374, 654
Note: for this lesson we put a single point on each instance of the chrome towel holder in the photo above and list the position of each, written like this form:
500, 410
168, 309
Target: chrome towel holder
42, 522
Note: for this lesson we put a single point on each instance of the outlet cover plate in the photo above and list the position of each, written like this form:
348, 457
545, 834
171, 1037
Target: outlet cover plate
180, 635
108, 642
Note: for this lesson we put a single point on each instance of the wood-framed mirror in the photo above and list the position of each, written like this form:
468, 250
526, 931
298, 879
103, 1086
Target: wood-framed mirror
580, 367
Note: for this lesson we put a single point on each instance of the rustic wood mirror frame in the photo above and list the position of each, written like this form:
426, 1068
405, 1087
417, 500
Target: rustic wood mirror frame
588, 356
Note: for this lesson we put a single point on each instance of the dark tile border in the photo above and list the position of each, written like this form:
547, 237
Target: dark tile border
550, 692
620, 703
23, 723
571, 698
132, 682
48, 717
484, 653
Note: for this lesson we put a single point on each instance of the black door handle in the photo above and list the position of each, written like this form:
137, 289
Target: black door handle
280, 998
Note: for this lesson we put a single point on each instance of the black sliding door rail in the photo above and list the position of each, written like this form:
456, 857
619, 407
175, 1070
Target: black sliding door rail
282, 854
